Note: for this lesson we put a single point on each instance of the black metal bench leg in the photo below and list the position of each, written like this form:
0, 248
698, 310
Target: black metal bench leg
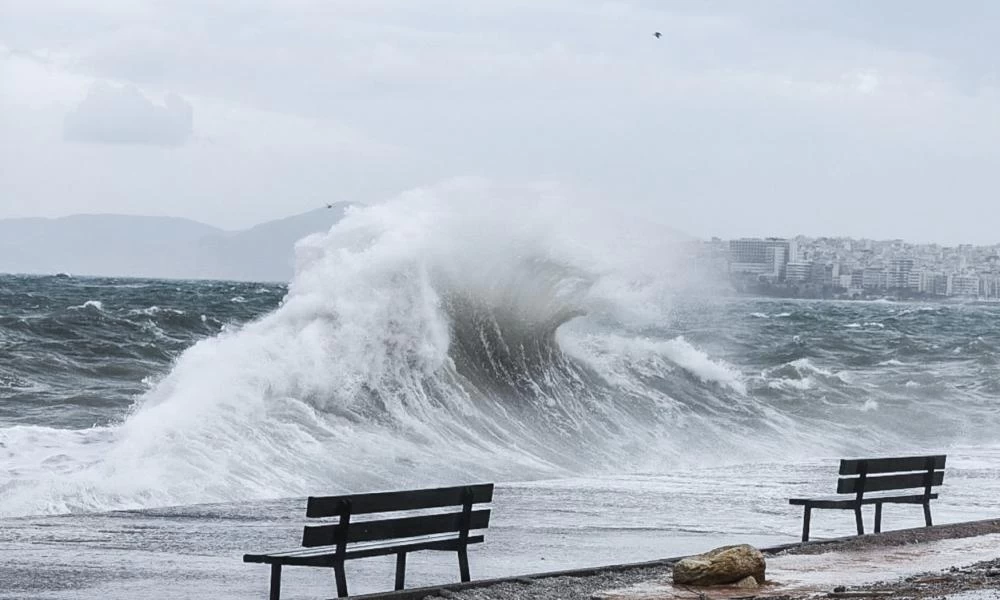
927, 514
463, 563
857, 519
338, 569
275, 582
878, 517
805, 524
400, 570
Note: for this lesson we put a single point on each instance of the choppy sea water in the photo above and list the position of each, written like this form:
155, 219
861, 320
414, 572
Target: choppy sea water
623, 418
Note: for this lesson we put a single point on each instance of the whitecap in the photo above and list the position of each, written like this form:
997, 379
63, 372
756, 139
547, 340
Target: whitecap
806, 383
94, 304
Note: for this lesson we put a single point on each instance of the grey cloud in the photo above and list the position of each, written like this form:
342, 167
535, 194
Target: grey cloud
745, 117
123, 115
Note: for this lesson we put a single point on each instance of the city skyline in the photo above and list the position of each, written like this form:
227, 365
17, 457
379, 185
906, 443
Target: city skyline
907, 241
850, 267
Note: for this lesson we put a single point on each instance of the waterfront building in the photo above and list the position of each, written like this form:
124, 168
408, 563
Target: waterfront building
874, 278
758, 256
963, 285
989, 287
899, 273
798, 272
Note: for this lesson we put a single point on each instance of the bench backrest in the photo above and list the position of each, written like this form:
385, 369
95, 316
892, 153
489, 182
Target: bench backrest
885, 474
345, 531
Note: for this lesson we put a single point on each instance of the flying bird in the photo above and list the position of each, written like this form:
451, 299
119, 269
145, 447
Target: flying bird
657, 34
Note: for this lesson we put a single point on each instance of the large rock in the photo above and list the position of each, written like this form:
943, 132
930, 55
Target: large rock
728, 564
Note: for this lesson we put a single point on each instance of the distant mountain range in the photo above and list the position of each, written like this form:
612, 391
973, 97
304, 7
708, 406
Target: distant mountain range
159, 247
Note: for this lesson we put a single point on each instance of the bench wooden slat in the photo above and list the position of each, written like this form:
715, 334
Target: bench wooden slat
375, 502
452, 544
403, 527
882, 483
849, 502
324, 550
323, 556
850, 466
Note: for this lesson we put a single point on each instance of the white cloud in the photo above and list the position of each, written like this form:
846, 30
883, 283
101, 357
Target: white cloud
123, 115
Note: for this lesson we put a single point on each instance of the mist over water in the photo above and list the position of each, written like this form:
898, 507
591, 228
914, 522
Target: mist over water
463, 332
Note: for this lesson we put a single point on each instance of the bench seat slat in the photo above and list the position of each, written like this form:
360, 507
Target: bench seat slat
323, 556
362, 546
377, 502
883, 483
403, 527
842, 502
851, 466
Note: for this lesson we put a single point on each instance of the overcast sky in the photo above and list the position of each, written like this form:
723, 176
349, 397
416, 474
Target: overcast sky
838, 117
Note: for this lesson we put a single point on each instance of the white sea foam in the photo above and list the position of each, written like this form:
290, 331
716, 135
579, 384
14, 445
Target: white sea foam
805, 383
804, 365
801, 375
359, 361
94, 304
699, 364
617, 356
151, 311
869, 405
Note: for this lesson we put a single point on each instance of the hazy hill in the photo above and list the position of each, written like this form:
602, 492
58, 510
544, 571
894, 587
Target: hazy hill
263, 252
136, 246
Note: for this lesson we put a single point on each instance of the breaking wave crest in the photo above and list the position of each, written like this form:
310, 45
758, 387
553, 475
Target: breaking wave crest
420, 340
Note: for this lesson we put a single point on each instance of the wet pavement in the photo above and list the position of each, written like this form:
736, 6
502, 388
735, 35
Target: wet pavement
195, 551
805, 574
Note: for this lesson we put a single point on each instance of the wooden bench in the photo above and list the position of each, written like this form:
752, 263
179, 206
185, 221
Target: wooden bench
330, 545
889, 476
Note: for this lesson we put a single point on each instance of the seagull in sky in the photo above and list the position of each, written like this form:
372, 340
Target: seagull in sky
657, 34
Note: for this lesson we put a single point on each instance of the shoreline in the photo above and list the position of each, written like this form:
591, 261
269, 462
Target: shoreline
633, 580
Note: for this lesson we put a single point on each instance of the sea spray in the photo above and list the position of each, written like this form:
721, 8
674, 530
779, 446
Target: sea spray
417, 342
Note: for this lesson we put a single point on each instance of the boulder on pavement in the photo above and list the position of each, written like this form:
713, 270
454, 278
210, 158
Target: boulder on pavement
727, 564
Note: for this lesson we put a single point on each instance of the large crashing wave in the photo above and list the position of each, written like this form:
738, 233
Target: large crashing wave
464, 332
